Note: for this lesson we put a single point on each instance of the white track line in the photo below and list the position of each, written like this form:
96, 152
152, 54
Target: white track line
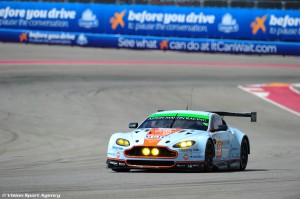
270, 101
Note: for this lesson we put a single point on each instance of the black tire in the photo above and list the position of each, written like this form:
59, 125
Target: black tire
209, 156
244, 154
120, 170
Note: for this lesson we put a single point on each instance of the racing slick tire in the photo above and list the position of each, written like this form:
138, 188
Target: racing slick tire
209, 156
244, 154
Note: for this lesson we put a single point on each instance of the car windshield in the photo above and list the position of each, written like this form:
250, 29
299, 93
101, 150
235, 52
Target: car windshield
184, 122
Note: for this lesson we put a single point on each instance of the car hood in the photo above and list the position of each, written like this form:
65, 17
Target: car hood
162, 136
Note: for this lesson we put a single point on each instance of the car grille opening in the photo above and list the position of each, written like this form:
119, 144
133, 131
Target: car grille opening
150, 163
163, 152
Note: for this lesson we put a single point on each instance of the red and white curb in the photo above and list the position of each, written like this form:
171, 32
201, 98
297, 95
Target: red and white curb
282, 95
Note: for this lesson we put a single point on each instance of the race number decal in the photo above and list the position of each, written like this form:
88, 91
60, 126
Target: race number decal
219, 149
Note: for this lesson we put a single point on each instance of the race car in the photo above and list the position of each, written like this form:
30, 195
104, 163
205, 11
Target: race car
181, 139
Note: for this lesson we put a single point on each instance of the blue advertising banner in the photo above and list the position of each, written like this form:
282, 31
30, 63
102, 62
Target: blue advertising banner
268, 24
151, 42
214, 30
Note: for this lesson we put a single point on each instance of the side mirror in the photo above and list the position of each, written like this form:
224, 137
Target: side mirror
133, 125
222, 128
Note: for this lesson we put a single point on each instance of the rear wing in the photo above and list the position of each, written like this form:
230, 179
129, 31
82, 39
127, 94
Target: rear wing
252, 115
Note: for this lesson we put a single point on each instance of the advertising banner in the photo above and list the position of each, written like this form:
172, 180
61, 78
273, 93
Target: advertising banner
166, 21
152, 42
191, 29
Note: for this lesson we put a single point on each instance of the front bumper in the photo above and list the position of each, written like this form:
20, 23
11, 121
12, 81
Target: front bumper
153, 164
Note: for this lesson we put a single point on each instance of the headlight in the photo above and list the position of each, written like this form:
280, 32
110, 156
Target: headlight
122, 142
184, 144
148, 151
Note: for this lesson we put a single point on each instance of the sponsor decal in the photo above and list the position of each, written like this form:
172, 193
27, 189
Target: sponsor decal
219, 149
121, 164
196, 156
168, 18
88, 19
117, 148
137, 43
196, 165
285, 21
48, 38
118, 154
259, 24
180, 165
113, 163
287, 25
186, 150
283, 25
81, 40
162, 21
187, 116
23, 37
228, 24
156, 134
185, 156
117, 20
221, 46
163, 45
53, 18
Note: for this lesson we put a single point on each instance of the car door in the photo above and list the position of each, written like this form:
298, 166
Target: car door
221, 137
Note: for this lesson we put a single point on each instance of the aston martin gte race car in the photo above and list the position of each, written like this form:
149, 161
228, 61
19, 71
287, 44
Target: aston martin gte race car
181, 139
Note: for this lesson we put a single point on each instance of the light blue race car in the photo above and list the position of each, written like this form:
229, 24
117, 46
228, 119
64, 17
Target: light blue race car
181, 139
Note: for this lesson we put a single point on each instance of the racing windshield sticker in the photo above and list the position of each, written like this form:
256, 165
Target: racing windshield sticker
156, 134
203, 118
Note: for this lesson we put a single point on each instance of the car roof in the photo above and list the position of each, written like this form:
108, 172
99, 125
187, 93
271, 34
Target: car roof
187, 113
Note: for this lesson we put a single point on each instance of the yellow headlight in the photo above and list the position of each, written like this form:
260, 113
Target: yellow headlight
122, 142
146, 151
189, 143
184, 144
155, 151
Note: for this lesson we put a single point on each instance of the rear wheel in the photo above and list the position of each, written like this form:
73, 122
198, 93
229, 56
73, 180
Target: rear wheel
209, 156
244, 154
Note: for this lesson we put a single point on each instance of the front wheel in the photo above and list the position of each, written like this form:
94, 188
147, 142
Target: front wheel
209, 156
244, 154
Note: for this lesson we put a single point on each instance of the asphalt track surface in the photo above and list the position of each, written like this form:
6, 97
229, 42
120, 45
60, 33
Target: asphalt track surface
56, 119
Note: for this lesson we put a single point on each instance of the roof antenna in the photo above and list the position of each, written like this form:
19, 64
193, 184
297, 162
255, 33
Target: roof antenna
187, 107
192, 97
